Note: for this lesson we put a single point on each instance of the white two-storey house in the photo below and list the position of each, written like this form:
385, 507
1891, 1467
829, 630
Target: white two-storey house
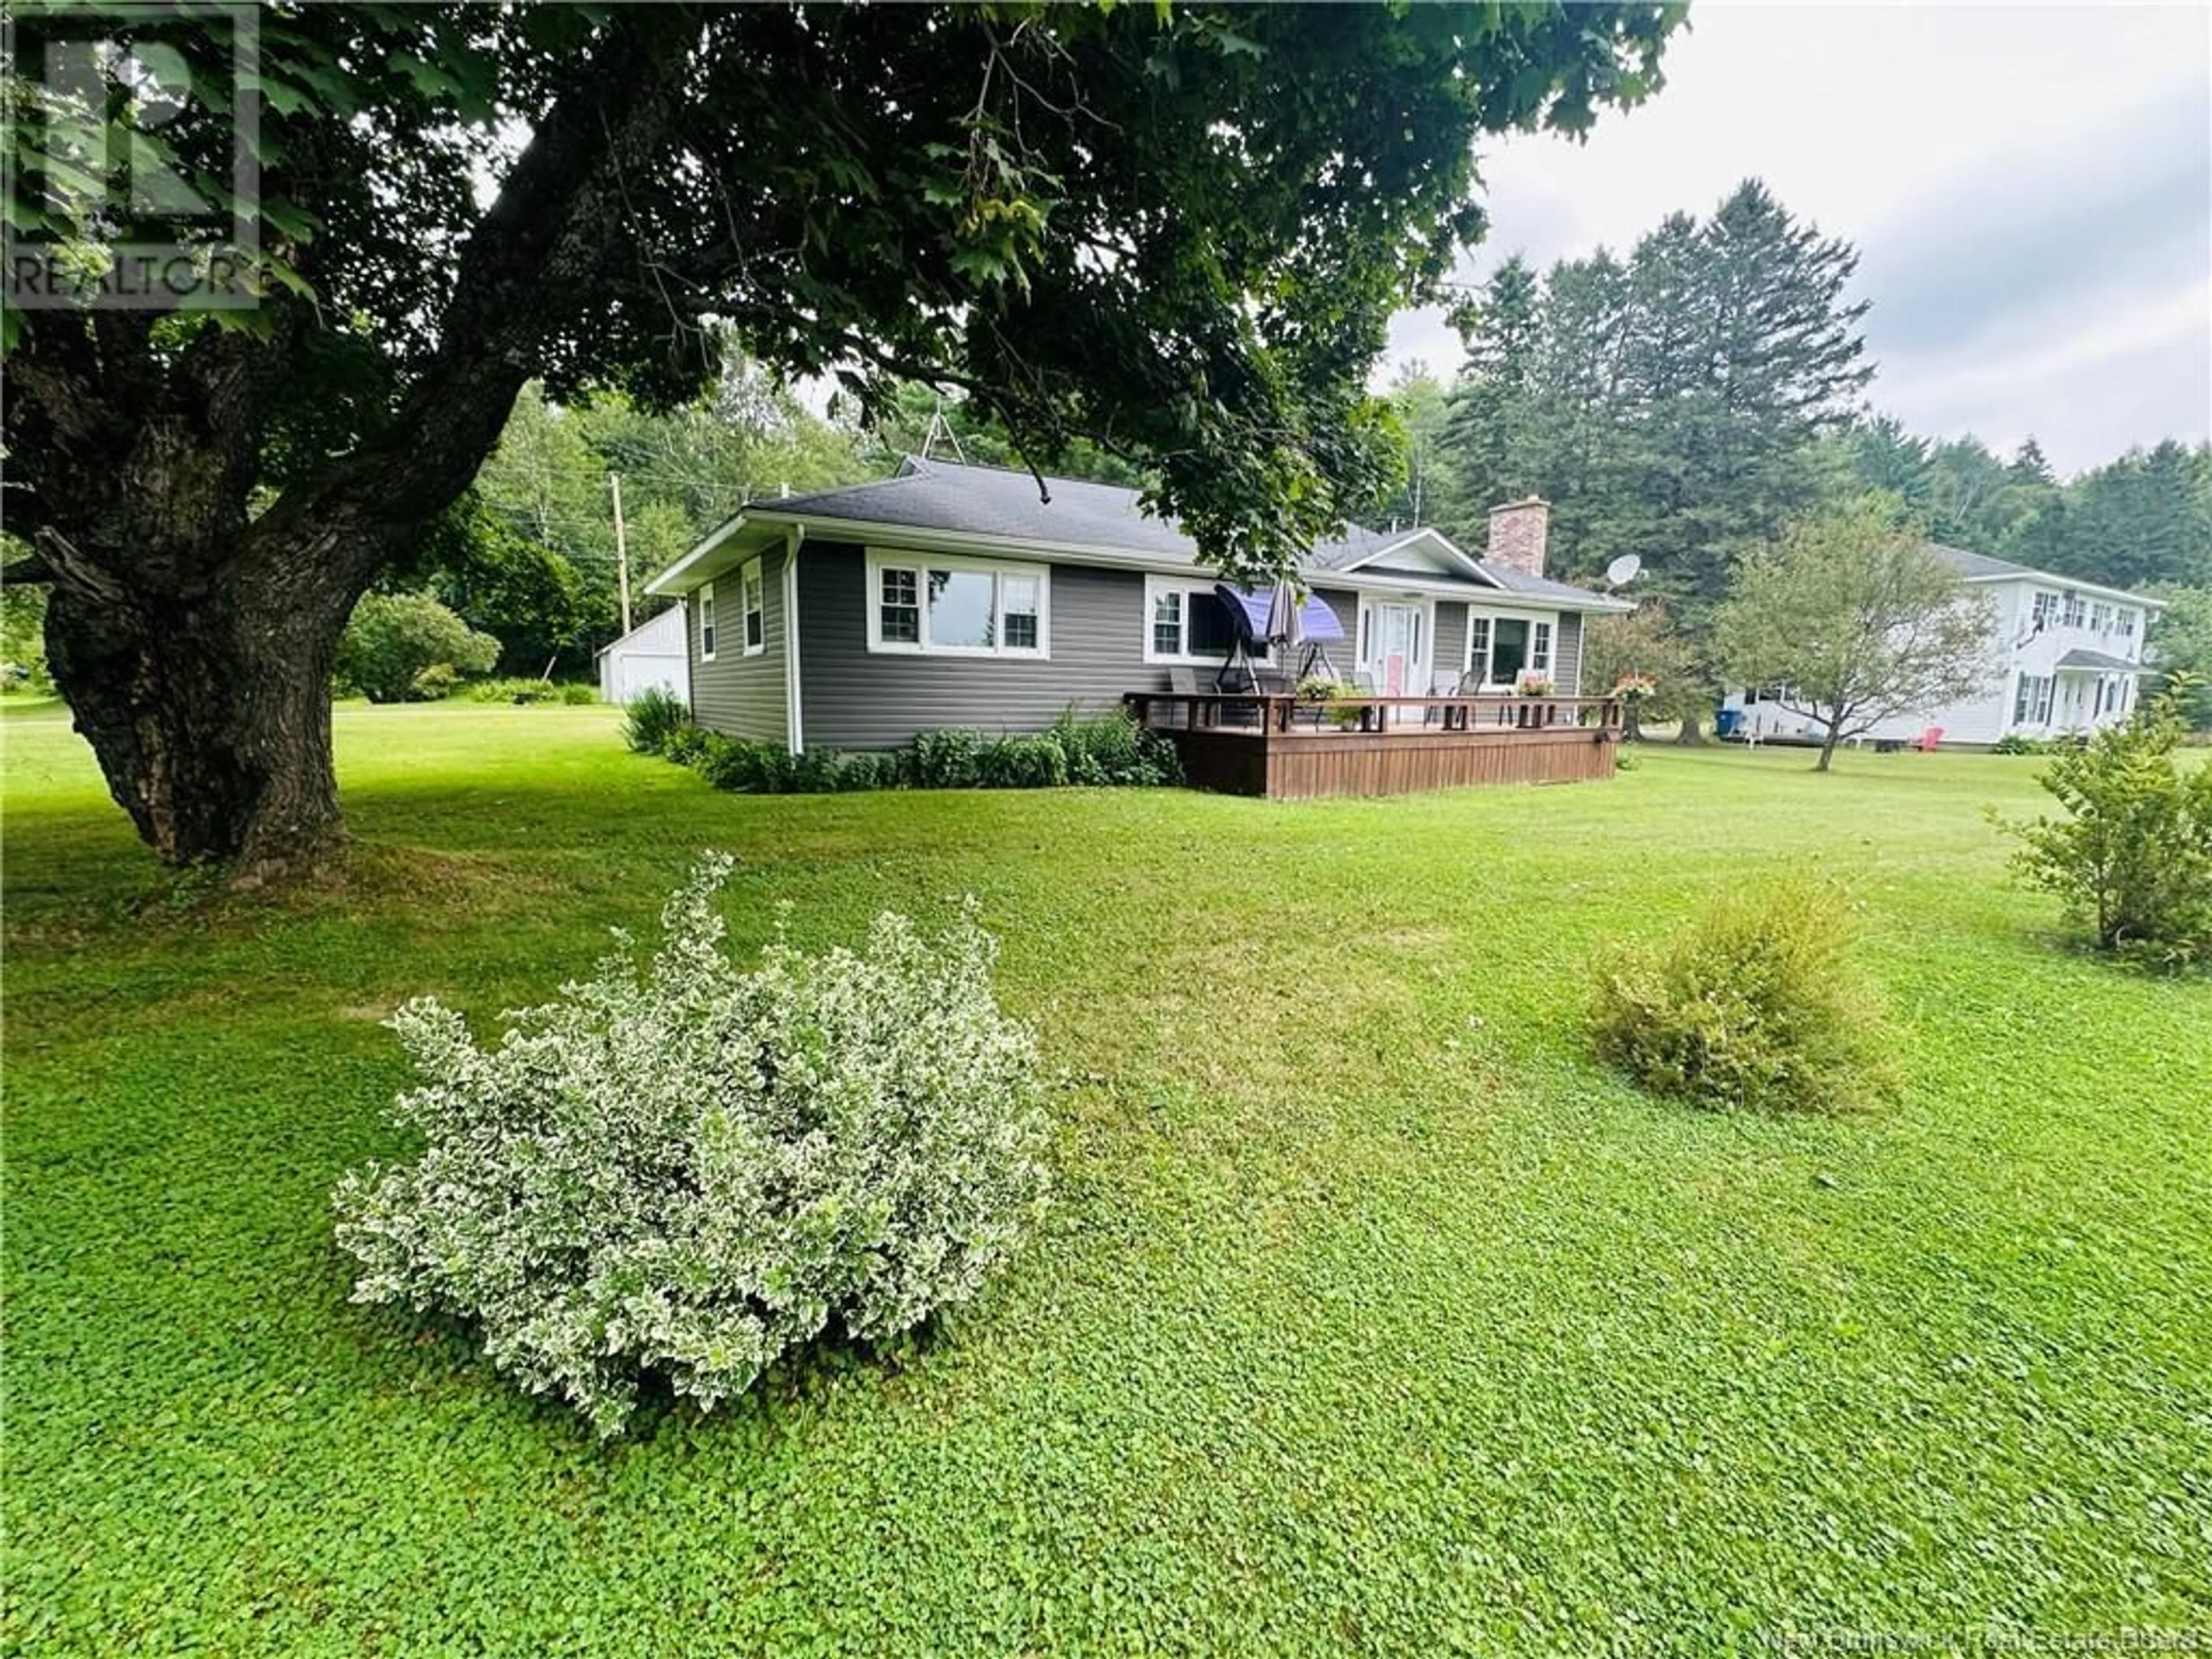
2069, 657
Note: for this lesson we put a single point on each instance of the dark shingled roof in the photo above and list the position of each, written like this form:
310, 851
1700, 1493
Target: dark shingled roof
1979, 564
991, 501
2080, 658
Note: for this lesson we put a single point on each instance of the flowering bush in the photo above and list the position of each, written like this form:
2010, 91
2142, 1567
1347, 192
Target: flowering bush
1534, 683
690, 1170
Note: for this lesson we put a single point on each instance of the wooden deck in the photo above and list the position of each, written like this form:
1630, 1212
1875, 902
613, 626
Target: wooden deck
1290, 748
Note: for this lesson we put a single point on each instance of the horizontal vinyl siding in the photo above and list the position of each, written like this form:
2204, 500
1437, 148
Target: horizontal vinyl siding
741, 695
1567, 655
1345, 653
1449, 660
852, 698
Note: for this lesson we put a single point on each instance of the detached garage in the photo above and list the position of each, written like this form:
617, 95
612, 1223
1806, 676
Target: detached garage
651, 654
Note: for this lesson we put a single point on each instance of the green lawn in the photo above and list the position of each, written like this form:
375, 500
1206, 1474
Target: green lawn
1372, 1318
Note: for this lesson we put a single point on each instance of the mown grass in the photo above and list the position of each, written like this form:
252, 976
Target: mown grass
1372, 1317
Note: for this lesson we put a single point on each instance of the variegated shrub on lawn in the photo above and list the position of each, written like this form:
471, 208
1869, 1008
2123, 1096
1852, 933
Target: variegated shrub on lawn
690, 1169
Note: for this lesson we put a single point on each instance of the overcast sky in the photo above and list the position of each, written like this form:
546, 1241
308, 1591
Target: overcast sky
2030, 188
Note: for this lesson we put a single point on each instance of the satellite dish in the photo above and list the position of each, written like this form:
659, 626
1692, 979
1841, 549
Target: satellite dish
1623, 570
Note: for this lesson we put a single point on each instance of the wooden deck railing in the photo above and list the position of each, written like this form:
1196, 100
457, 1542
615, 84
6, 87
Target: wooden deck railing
1259, 714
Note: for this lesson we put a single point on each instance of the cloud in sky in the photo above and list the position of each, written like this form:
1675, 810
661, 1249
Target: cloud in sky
2030, 188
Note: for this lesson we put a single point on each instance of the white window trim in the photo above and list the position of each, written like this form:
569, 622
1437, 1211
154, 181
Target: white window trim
709, 622
882, 559
1189, 588
752, 600
1474, 613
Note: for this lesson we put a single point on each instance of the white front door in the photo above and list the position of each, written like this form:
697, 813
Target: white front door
1399, 649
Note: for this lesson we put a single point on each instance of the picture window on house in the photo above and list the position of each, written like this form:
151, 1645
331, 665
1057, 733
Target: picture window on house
961, 610
756, 612
978, 610
706, 623
1509, 649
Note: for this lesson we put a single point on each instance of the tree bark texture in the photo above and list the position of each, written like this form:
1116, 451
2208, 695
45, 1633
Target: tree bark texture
194, 641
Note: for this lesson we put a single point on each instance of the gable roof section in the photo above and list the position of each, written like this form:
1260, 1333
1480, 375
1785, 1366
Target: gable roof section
1981, 567
2080, 656
994, 507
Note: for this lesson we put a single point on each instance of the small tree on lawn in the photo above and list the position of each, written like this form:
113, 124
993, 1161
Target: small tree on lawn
2132, 858
1621, 654
1855, 621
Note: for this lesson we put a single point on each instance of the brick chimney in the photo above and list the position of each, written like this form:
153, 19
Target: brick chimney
1517, 532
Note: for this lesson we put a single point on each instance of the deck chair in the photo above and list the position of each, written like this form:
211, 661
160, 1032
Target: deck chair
1440, 685
1929, 741
1183, 683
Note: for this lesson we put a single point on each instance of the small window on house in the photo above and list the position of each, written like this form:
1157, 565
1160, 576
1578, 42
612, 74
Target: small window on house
2100, 618
706, 623
1021, 604
756, 613
2046, 608
2127, 620
1540, 647
1478, 649
1167, 623
1187, 621
899, 612
2075, 611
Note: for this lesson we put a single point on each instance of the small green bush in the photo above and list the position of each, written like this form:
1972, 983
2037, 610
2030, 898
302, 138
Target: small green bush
1021, 763
871, 771
685, 744
1112, 749
945, 758
433, 684
525, 693
686, 1170
2014, 743
654, 718
394, 640
816, 772
2132, 858
1754, 1004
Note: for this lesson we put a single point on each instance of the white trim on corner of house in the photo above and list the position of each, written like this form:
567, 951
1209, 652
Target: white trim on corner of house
795, 719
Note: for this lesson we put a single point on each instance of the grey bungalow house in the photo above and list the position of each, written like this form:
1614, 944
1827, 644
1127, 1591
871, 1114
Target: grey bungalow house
954, 595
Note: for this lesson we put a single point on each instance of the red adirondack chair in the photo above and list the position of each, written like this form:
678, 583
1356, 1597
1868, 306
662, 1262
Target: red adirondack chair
1929, 741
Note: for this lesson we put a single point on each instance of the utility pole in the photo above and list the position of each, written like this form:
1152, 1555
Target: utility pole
621, 550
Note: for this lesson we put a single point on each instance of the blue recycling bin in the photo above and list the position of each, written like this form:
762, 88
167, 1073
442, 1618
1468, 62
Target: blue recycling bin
1725, 722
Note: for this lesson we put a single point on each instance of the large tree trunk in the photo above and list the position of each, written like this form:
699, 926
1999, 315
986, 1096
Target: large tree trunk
1691, 735
209, 712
